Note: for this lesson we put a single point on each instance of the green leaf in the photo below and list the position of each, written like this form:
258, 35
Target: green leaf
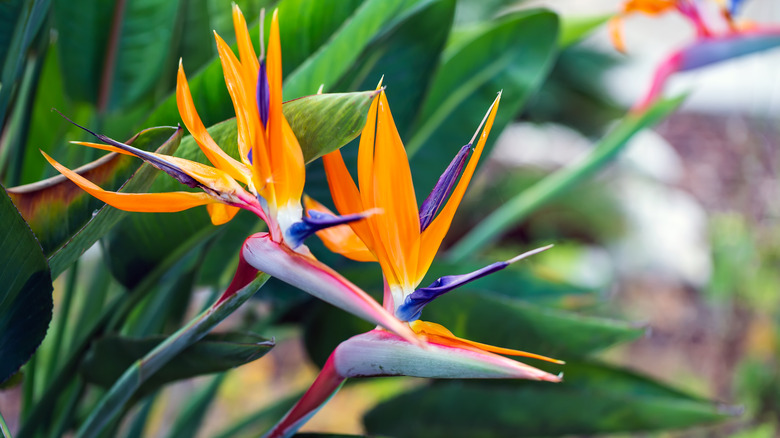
142, 370
593, 399
141, 50
110, 356
10, 11
514, 54
25, 296
528, 327
574, 29
519, 207
325, 122
406, 55
113, 57
322, 123
328, 64
323, 37
63, 216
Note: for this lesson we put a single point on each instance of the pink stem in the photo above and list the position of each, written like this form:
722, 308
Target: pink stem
323, 388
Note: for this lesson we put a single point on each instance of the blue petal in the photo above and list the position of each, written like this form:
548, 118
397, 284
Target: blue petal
414, 303
316, 221
443, 187
734, 6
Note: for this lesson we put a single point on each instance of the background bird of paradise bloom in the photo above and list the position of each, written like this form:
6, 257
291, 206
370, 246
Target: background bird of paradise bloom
664, 312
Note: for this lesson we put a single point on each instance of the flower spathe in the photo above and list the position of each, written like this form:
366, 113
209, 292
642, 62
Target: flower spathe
404, 240
266, 179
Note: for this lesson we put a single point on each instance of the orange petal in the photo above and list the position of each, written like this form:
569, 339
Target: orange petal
398, 224
616, 34
345, 194
221, 213
247, 118
249, 62
439, 334
104, 147
194, 124
140, 202
283, 148
341, 239
431, 238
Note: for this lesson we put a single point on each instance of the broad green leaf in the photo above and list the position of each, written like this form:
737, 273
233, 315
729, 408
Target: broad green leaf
406, 55
10, 11
111, 58
110, 356
514, 54
145, 368
593, 399
29, 22
25, 296
332, 60
83, 29
513, 323
325, 122
63, 216
142, 49
321, 122
519, 207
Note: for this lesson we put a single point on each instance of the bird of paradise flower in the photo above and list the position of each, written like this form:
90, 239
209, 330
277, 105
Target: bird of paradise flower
404, 240
267, 179
719, 37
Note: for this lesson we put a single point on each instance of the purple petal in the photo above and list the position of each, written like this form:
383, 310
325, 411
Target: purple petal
163, 165
414, 303
316, 221
263, 94
443, 187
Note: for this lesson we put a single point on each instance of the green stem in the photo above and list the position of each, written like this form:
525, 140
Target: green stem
28, 387
42, 413
519, 207
4, 427
59, 332
123, 389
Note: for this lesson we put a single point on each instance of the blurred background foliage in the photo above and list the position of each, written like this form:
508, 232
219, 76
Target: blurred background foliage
660, 293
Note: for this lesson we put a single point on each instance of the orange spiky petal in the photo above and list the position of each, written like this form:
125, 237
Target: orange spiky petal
194, 124
398, 224
437, 333
345, 194
139, 202
283, 148
249, 62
